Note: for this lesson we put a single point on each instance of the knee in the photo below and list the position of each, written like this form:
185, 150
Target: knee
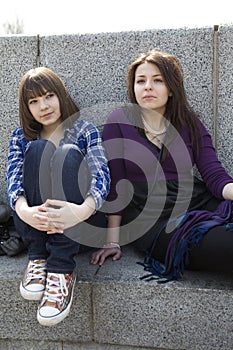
68, 152
38, 146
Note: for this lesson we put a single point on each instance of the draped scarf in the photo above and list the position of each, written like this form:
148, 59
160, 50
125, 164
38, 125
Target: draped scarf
190, 230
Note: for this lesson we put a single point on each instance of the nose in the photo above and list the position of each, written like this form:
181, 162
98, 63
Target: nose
43, 103
148, 85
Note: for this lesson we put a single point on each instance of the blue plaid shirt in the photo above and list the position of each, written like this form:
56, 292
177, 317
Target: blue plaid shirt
83, 134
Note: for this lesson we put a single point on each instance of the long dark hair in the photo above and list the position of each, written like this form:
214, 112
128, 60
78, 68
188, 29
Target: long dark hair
178, 110
36, 82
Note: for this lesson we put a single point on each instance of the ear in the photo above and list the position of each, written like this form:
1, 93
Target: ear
170, 94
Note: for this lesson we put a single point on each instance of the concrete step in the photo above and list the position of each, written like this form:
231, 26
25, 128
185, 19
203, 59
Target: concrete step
116, 310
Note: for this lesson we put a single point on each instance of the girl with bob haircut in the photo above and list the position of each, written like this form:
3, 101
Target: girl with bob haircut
57, 179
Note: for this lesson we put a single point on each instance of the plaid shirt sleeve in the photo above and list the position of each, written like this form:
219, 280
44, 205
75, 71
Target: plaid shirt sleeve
90, 143
15, 166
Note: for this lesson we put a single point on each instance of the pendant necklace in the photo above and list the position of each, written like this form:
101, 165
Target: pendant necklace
154, 133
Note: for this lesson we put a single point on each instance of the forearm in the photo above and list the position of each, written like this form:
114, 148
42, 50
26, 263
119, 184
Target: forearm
112, 246
113, 234
21, 207
25, 212
88, 207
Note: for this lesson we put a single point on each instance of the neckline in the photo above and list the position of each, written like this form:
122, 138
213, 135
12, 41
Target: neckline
151, 130
151, 143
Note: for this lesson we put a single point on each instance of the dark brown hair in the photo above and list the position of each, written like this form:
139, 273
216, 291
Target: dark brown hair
36, 82
178, 111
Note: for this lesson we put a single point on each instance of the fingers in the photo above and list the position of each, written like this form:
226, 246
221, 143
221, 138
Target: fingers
42, 209
48, 212
54, 203
48, 225
49, 219
95, 257
55, 230
98, 257
101, 255
117, 255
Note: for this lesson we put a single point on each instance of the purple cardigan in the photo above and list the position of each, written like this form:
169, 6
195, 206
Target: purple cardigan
132, 157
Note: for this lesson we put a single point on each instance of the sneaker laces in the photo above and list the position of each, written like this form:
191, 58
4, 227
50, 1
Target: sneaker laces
37, 270
56, 287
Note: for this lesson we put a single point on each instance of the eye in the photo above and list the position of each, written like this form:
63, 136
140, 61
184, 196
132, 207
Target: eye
158, 80
32, 101
140, 81
50, 95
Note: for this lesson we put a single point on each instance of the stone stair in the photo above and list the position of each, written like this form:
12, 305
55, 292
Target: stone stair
116, 310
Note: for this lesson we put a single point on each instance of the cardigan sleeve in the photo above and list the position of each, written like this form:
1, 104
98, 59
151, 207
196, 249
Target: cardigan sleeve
114, 145
212, 171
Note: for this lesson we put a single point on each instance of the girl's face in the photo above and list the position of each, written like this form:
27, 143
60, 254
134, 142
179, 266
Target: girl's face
46, 109
150, 89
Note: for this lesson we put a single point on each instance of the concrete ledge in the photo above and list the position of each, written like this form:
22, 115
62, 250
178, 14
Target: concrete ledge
48, 345
115, 307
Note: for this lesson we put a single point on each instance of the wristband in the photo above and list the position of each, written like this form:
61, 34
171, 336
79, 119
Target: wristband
112, 245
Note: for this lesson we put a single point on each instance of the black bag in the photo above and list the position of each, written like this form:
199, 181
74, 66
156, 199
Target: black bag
10, 241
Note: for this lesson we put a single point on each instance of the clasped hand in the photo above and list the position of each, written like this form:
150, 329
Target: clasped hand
56, 215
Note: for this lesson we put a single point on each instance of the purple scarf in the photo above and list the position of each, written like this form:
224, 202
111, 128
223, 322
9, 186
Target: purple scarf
191, 228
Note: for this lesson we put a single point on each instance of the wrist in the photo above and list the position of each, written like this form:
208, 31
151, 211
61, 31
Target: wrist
112, 245
21, 207
90, 204
85, 210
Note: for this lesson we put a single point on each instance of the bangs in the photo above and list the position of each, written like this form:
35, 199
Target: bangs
37, 86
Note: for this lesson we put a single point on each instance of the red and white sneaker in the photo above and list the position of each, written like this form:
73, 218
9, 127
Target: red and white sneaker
57, 299
33, 283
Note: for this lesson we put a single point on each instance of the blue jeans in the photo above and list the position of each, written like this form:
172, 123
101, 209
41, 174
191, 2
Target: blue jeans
55, 173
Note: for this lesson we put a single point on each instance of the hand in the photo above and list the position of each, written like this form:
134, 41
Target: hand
48, 220
101, 255
37, 217
60, 214
63, 214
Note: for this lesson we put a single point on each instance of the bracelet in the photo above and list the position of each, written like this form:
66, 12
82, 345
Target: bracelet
112, 245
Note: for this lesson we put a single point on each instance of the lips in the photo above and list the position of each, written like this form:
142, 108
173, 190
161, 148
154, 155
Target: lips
148, 97
47, 115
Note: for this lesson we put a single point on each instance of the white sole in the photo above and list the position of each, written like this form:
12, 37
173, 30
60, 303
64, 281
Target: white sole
53, 320
30, 295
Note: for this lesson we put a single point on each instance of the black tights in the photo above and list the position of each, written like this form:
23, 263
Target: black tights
213, 253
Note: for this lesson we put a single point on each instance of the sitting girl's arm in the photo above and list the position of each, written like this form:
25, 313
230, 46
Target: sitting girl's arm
112, 247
